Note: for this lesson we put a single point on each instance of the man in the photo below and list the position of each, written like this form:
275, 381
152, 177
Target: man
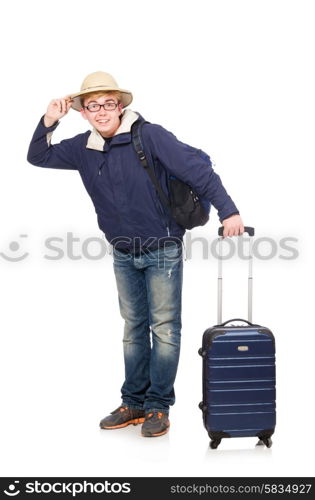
146, 240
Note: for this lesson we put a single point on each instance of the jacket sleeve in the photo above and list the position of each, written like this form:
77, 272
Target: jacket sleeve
191, 166
42, 153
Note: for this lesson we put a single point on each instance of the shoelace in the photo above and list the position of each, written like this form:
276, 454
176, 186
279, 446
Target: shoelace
159, 415
120, 409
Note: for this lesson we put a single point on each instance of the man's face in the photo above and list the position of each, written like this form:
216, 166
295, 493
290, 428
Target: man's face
105, 121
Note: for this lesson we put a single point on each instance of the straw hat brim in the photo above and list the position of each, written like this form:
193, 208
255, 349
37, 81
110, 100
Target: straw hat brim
126, 96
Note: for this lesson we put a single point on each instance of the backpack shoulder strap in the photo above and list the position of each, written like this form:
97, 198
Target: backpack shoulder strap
136, 130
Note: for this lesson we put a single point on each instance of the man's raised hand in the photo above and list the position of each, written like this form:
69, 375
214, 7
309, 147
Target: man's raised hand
57, 108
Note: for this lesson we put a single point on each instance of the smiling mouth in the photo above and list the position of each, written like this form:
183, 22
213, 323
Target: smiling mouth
102, 121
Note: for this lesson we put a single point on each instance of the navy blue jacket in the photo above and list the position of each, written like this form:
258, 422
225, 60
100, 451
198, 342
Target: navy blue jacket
128, 208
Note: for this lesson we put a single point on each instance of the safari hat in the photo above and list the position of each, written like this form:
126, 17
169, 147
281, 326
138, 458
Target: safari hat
96, 82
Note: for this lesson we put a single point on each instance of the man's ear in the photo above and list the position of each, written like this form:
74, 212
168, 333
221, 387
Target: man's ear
83, 113
120, 107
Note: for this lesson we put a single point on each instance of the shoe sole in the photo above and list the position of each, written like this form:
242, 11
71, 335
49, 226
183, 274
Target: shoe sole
134, 421
148, 434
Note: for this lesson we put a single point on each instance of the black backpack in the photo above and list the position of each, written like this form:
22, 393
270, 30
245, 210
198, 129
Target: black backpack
183, 203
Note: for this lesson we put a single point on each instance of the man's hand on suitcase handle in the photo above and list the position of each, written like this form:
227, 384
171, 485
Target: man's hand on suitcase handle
233, 226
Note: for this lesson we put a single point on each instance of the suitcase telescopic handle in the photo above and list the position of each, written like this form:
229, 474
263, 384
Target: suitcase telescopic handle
251, 232
247, 229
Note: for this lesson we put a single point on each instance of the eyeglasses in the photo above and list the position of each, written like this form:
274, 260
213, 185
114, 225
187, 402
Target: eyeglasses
94, 107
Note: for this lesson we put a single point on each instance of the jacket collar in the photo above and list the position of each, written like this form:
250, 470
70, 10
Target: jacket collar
96, 141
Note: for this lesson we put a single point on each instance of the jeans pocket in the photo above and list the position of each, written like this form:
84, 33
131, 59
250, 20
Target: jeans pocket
172, 252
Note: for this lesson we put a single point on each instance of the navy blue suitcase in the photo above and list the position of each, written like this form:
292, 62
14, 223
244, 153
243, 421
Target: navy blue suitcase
239, 392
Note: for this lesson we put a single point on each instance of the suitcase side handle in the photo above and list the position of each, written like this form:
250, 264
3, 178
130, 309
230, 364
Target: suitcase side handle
247, 229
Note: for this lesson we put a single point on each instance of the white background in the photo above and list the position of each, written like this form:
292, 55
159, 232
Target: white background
232, 77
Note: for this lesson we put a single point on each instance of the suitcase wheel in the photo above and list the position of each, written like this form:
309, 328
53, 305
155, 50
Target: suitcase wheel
265, 441
214, 443
268, 442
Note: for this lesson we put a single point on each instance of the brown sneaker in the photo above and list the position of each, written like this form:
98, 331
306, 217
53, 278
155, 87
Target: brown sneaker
121, 417
156, 424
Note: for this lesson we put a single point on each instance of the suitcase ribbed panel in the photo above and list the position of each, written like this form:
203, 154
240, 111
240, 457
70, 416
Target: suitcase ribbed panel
239, 385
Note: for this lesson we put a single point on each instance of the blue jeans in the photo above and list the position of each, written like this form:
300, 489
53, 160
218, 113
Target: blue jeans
149, 289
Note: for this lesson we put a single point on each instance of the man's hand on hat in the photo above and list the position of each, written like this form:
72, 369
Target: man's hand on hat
57, 109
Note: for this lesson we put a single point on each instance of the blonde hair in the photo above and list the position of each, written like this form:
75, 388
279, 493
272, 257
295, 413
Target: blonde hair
114, 93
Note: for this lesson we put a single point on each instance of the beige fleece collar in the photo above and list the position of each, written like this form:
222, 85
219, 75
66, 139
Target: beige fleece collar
96, 141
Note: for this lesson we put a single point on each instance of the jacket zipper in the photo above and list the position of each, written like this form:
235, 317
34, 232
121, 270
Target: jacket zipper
95, 178
100, 168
